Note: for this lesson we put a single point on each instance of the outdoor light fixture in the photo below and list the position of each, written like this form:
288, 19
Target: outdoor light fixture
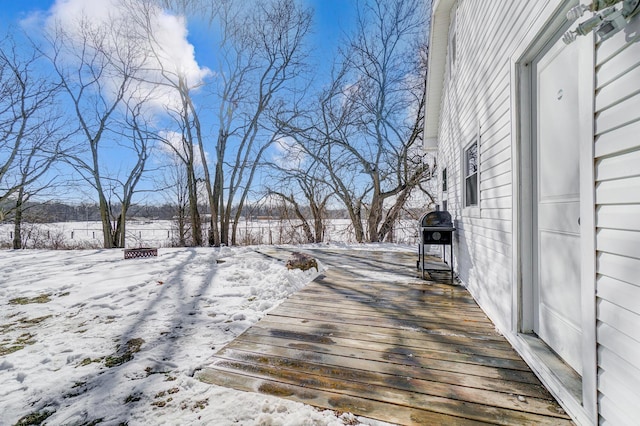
606, 23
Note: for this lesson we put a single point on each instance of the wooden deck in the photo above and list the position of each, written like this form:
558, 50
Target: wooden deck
369, 337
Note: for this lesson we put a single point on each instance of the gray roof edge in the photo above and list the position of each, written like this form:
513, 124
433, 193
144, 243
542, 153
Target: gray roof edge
438, 43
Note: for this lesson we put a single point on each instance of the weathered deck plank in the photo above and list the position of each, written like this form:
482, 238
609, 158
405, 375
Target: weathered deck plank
392, 348
381, 341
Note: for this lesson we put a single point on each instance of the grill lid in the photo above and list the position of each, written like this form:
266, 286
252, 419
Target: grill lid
440, 219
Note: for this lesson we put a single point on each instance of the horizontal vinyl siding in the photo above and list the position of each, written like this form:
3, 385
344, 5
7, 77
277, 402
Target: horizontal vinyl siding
476, 103
617, 169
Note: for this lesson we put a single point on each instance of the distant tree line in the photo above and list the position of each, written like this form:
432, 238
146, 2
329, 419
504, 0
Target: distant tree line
52, 212
277, 133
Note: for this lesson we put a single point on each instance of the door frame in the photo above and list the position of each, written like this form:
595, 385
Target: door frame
542, 32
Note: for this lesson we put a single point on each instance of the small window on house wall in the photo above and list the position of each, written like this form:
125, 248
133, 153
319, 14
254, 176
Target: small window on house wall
444, 180
471, 175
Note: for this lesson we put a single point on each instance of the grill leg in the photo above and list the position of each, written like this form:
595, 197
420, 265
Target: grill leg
451, 256
422, 259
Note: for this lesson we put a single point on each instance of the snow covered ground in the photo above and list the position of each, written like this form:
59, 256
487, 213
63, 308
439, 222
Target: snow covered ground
87, 337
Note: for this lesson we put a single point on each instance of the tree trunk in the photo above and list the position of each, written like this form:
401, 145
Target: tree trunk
318, 225
196, 225
120, 231
17, 222
386, 229
373, 221
182, 214
356, 220
107, 241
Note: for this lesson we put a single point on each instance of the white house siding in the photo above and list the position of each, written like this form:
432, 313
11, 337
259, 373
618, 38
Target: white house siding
617, 167
476, 99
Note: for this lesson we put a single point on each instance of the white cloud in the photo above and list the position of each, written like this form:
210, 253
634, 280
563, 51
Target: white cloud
124, 21
173, 144
288, 153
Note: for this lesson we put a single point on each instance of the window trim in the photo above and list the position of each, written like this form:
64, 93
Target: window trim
470, 209
444, 179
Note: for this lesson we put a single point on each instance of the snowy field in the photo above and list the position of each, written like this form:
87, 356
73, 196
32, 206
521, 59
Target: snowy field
87, 337
163, 233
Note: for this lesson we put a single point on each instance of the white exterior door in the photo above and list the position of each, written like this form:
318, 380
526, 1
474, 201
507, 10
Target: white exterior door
556, 290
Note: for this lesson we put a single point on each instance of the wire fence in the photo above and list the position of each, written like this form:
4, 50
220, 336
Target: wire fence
164, 233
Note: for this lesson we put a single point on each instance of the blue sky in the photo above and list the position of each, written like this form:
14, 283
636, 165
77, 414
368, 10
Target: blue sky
332, 20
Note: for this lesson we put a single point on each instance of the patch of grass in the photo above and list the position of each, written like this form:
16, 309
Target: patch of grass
34, 418
43, 298
79, 389
25, 339
170, 379
198, 405
133, 398
34, 321
22, 341
201, 405
6, 350
124, 354
66, 293
88, 361
151, 371
23, 322
115, 360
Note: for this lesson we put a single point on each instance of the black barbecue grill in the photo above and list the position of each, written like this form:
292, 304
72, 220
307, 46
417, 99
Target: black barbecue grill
436, 228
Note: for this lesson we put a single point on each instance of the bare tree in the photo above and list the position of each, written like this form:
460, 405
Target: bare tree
174, 182
97, 64
367, 132
263, 55
139, 139
207, 9
31, 130
184, 182
301, 187
180, 88
39, 153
